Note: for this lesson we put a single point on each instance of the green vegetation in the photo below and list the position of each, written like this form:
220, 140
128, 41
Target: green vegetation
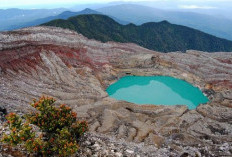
162, 36
140, 14
59, 128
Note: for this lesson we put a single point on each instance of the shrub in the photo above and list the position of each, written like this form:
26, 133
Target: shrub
59, 128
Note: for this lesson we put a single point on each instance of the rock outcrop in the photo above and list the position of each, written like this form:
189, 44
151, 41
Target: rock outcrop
76, 71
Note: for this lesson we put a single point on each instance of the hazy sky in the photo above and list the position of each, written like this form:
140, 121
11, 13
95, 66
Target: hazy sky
18, 3
12, 3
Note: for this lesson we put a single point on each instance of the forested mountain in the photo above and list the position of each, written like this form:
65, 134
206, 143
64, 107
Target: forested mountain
162, 36
64, 15
138, 14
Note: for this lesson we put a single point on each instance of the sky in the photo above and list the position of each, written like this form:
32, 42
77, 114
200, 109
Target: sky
13, 3
21, 3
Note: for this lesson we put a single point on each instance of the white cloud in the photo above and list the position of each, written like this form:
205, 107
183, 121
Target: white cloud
196, 7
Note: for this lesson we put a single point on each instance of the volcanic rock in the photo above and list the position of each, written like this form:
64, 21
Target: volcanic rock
76, 71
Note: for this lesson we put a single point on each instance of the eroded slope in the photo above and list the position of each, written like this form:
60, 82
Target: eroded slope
76, 71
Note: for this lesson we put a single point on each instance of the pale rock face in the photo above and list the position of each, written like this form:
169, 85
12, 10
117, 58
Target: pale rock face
76, 71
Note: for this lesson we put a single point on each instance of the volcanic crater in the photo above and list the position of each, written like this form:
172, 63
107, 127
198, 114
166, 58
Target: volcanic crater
76, 71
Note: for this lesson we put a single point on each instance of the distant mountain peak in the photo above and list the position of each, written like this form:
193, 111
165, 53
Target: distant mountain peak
88, 9
164, 22
67, 12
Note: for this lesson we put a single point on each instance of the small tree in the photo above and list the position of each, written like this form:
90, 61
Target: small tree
59, 128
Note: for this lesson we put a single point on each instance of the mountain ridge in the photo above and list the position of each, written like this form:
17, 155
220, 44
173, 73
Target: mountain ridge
162, 36
139, 14
64, 15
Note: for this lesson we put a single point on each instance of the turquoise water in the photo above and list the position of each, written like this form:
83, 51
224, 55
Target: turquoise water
157, 90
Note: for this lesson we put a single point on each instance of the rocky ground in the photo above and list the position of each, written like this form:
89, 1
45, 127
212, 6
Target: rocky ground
75, 70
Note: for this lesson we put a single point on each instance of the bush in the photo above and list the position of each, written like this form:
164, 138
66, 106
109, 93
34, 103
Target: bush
59, 128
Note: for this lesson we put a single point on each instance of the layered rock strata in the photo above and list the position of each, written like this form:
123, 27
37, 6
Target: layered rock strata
76, 71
